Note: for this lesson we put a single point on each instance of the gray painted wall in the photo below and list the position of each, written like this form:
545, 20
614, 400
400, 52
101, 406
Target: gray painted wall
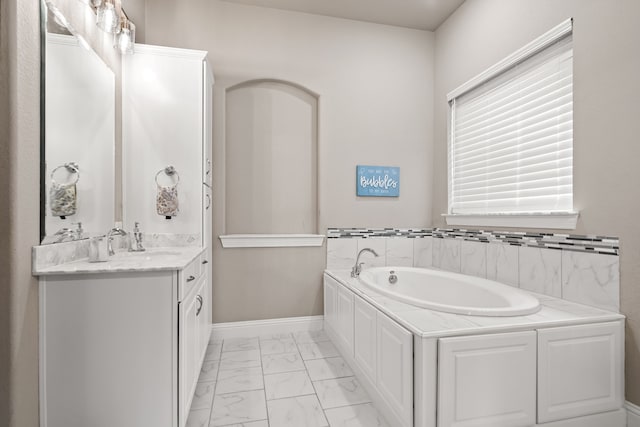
375, 87
19, 201
606, 125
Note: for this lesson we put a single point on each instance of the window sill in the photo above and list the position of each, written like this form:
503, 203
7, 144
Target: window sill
562, 221
271, 240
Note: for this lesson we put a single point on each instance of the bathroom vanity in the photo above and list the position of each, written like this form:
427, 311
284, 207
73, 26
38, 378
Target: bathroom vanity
122, 342
560, 367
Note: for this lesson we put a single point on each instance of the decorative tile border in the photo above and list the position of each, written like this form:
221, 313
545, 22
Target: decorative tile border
569, 242
334, 233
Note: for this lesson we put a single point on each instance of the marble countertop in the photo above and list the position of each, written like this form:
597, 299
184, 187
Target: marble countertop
434, 324
153, 259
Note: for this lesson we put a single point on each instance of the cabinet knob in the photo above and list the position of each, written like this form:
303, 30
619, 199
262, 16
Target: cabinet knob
205, 261
201, 303
191, 279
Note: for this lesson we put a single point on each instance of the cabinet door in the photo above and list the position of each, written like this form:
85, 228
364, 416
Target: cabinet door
487, 380
330, 301
365, 332
188, 343
345, 319
579, 370
394, 377
202, 307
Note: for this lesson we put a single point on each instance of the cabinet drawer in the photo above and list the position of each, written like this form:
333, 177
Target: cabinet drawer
189, 277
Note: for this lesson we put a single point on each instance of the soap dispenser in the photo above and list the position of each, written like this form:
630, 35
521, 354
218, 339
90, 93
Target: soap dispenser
136, 245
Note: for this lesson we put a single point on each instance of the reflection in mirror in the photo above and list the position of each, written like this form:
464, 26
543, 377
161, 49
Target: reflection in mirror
79, 99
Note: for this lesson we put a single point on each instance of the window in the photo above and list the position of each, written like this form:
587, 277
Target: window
511, 135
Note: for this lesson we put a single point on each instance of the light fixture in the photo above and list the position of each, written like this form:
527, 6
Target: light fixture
93, 3
126, 38
108, 17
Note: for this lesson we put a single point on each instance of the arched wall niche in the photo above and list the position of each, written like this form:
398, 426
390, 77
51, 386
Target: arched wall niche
271, 159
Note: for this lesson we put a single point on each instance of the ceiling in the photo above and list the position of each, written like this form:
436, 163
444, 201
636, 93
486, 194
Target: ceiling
418, 14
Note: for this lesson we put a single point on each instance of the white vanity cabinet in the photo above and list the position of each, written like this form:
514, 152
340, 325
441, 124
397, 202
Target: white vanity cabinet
193, 333
122, 348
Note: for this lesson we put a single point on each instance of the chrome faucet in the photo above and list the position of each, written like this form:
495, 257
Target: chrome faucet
357, 268
114, 231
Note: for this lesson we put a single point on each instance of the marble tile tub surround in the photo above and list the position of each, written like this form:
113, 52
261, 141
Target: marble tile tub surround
44, 256
583, 269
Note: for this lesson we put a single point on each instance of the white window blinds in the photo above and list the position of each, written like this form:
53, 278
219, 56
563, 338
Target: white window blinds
511, 141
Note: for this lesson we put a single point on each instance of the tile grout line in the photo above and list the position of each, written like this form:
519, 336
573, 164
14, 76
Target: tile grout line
264, 384
215, 387
324, 414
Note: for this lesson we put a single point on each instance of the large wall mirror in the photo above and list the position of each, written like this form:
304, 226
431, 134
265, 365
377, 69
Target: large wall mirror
79, 136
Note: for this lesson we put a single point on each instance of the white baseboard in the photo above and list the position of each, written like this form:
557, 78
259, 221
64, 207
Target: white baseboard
633, 414
256, 328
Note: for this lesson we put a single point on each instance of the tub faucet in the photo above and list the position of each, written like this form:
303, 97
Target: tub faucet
114, 231
357, 268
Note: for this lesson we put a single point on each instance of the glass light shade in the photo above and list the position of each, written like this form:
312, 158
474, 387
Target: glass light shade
94, 3
107, 17
125, 40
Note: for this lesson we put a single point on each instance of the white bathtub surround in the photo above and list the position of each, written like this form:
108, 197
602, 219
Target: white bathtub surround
423, 252
399, 251
540, 270
252, 397
591, 279
428, 323
491, 378
473, 258
378, 244
446, 254
502, 263
341, 253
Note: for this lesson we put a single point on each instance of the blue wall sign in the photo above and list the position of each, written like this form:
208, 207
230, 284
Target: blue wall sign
378, 181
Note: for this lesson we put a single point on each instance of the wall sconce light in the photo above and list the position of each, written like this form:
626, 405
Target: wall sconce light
126, 38
108, 16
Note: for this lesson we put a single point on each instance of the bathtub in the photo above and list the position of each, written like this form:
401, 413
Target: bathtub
450, 292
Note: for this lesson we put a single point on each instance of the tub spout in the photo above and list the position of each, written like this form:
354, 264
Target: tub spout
357, 268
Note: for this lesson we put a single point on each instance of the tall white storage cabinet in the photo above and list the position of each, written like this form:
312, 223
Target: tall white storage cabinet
167, 121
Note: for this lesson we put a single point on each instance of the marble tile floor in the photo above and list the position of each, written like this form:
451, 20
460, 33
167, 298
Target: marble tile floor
287, 380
